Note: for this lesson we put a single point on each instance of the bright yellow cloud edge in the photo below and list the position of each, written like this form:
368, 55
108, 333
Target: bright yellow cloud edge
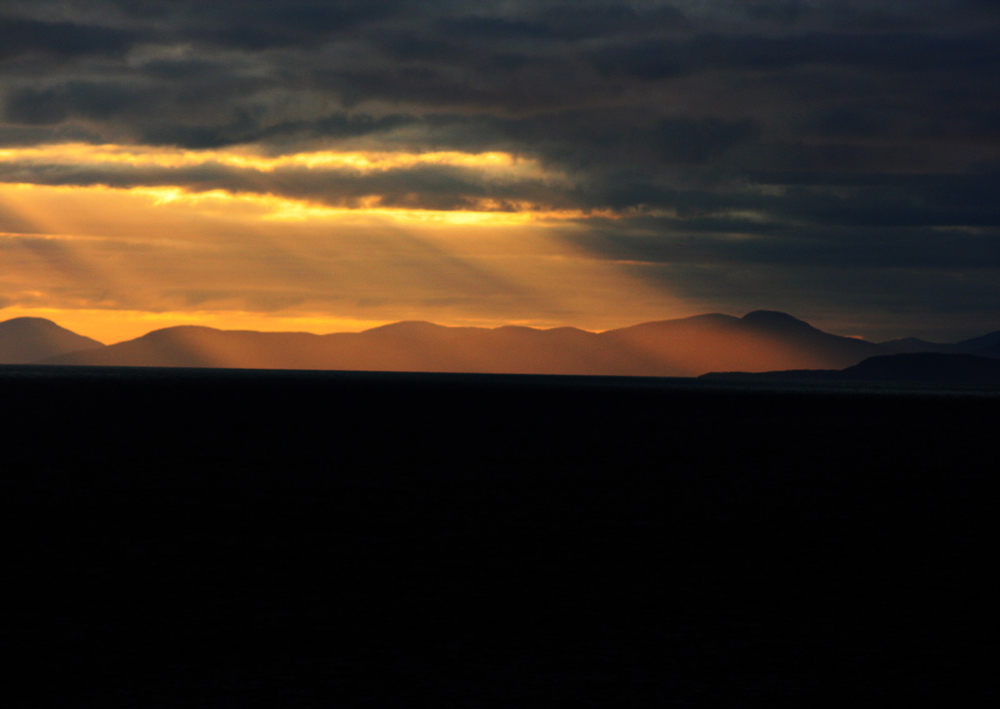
487, 212
83, 154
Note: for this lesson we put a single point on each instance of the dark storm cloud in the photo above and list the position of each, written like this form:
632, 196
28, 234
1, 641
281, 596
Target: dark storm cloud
740, 244
19, 37
244, 129
257, 26
781, 132
77, 99
564, 22
897, 52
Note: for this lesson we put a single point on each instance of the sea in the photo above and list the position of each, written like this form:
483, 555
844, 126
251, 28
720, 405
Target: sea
242, 538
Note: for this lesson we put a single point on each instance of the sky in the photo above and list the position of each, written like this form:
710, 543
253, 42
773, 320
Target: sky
336, 165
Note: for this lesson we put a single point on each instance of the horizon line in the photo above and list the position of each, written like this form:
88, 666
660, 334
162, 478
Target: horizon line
390, 323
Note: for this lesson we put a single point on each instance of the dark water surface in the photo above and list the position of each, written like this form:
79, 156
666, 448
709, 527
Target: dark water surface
217, 538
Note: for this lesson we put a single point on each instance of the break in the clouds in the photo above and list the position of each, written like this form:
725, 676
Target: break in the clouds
730, 152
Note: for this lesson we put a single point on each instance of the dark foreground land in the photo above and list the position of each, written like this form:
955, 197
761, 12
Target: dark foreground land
252, 539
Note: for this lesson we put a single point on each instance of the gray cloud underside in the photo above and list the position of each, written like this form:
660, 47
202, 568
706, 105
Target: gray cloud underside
439, 187
873, 202
781, 132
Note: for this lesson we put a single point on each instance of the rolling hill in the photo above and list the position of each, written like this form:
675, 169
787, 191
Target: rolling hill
30, 340
956, 368
759, 341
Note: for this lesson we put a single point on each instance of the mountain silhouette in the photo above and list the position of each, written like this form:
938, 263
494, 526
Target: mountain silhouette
405, 346
760, 341
985, 346
912, 367
929, 367
777, 322
913, 344
28, 340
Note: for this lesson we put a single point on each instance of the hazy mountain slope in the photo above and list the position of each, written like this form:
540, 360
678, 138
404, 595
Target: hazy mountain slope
985, 346
913, 344
425, 347
912, 367
194, 346
27, 340
930, 367
760, 341
407, 346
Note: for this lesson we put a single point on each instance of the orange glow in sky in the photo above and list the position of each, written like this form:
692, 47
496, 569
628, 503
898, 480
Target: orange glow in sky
115, 263
480, 211
271, 207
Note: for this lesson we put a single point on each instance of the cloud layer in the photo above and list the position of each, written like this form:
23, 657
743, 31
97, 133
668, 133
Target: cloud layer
810, 140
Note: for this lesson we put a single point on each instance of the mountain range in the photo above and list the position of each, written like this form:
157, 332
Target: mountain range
760, 341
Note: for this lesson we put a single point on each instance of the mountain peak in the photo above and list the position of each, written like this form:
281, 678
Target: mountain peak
175, 329
408, 327
25, 340
25, 323
775, 320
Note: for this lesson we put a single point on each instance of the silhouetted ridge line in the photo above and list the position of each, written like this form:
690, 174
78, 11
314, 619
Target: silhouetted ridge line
760, 341
986, 346
931, 367
777, 321
914, 367
29, 340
